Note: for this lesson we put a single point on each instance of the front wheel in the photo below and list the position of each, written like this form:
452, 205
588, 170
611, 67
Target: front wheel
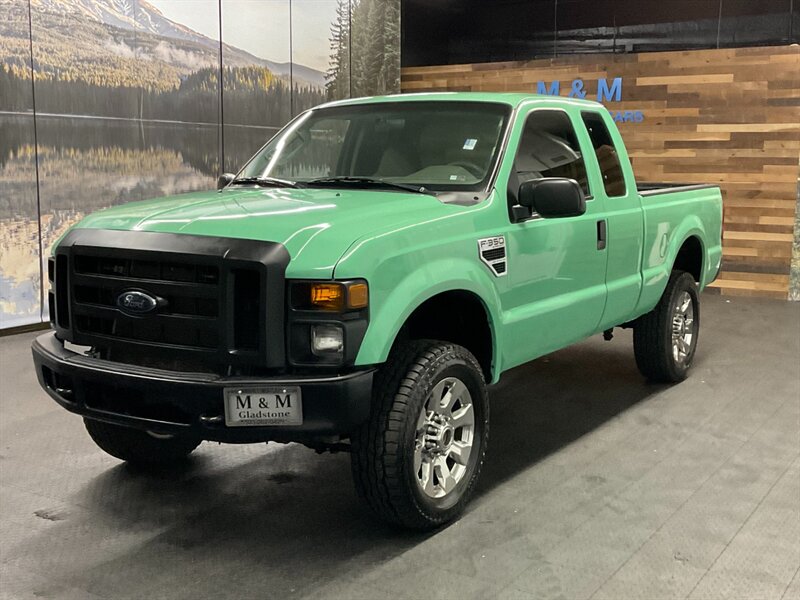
418, 458
665, 339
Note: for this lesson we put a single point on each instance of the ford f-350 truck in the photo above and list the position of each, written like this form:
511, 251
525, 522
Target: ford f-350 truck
364, 277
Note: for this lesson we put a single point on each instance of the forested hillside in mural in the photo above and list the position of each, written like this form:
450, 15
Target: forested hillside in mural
256, 95
365, 49
110, 101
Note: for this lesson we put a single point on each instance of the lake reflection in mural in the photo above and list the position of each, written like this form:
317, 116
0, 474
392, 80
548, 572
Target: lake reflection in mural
20, 275
88, 164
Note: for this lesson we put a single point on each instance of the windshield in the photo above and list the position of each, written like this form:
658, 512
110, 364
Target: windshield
441, 146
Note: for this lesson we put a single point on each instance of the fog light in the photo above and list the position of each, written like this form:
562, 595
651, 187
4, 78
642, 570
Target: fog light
327, 339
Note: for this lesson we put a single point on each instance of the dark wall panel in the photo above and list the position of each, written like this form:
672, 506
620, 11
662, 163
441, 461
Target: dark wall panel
585, 26
517, 29
748, 23
470, 31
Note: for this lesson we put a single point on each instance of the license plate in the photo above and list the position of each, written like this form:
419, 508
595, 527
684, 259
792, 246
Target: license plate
263, 406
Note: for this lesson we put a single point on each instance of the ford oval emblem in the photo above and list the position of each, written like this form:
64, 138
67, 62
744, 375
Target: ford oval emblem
136, 303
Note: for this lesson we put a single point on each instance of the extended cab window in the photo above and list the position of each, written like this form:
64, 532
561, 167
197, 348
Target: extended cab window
607, 159
548, 148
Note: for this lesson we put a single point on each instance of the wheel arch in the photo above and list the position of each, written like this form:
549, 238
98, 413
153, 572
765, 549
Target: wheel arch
412, 302
469, 326
690, 257
685, 250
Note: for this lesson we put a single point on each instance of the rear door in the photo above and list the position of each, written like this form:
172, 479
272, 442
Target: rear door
622, 219
556, 290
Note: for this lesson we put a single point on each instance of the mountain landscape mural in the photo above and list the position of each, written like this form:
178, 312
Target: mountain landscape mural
110, 101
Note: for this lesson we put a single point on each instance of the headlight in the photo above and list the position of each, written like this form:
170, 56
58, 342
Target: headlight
327, 340
331, 296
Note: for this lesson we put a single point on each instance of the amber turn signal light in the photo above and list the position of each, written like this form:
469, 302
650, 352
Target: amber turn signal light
357, 295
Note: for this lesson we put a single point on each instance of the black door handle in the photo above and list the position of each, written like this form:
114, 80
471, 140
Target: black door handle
601, 234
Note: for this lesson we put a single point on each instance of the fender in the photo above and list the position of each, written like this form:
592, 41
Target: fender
655, 273
400, 299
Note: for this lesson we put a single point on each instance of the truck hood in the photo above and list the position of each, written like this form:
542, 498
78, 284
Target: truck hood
315, 225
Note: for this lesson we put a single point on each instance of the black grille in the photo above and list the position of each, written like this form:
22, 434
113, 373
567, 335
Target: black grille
188, 296
212, 296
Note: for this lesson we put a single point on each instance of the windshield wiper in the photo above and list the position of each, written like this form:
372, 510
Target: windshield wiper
268, 182
350, 181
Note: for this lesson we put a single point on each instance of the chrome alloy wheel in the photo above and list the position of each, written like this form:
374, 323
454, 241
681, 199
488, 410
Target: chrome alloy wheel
444, 438
682, 327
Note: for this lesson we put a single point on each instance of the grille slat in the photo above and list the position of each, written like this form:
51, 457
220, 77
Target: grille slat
147, 268
126, 333
107, 312
174, 304
166, 287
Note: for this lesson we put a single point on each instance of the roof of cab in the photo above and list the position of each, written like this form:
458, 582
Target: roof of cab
511, 99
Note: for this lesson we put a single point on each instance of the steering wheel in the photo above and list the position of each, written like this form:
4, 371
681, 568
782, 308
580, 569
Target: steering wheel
468, 166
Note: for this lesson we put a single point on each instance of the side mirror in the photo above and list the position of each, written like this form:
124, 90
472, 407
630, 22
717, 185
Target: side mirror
553, 197
224, 180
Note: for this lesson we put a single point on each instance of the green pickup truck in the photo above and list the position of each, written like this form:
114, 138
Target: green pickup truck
363, 278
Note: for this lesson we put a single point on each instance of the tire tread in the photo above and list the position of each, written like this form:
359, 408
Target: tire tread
377, 464
652, 331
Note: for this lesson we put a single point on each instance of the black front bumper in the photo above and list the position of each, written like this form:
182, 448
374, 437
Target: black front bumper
175, 402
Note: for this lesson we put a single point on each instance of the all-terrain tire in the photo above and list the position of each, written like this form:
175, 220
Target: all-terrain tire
139, 447
653, 333
383, 448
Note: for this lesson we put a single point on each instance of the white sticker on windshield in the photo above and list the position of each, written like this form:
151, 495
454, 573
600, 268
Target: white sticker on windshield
470, 144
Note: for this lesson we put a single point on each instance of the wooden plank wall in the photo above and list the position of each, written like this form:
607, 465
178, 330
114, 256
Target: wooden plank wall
728, 116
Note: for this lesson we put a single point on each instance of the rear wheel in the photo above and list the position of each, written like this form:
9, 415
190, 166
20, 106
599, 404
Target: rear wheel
417, 460
665, 339
139, 447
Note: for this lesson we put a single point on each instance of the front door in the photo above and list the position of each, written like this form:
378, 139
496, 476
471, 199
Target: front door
556, 290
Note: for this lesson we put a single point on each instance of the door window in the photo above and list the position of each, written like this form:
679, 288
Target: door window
606, 153
548, 148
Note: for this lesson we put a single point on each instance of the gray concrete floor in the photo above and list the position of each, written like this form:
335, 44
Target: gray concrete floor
597, 485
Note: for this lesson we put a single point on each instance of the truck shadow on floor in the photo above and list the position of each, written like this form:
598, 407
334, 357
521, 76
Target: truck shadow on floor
539, 408
280, 521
